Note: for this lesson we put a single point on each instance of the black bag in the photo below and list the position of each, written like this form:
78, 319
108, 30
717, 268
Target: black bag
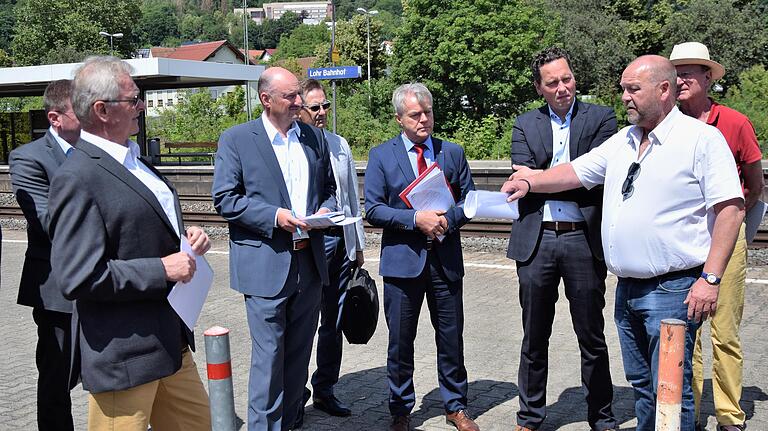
360, 311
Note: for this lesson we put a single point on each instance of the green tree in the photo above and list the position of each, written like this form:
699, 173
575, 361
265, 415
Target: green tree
5, 59
736, 38
473, 52
750, 97
267, 35
158, 23
7, 20
43, 26
303, 41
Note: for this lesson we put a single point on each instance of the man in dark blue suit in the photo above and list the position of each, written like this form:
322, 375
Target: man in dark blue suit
32, 167
414, 263
271, 173
558, 237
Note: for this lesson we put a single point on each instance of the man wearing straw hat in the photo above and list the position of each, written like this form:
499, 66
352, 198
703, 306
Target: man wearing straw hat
695, 74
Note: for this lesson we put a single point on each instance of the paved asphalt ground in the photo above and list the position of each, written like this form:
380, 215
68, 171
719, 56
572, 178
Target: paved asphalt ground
492, 341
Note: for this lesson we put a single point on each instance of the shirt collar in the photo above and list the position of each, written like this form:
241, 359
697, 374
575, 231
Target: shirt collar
556, 118
65, 146
409, 145
660, 132
115, 150
714, 112
272, 130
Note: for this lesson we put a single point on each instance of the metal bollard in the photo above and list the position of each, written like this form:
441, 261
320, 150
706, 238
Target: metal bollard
220, 390
669, 393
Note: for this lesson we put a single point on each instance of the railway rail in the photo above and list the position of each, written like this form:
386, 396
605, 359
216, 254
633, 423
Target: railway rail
475, 228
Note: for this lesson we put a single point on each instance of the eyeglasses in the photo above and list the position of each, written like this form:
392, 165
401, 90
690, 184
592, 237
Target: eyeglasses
628, 187
134, 101
314, 108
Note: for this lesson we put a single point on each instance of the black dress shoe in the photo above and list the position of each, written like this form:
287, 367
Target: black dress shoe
331, 405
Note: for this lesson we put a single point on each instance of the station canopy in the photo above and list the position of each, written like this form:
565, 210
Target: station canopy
149, 74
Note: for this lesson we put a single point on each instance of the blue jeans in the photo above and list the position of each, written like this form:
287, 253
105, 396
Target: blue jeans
641, 305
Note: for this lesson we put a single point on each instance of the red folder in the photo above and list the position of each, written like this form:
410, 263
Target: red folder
404, 194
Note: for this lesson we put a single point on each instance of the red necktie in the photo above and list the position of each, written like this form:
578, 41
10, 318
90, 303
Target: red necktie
421, 162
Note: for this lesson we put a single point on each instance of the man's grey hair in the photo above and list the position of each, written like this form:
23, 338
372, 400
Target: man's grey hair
57, 95
96, 80
417, 89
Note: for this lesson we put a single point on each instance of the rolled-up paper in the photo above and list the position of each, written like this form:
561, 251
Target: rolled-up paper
485, 204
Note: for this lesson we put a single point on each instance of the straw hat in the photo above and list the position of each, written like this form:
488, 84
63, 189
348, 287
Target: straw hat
696, 53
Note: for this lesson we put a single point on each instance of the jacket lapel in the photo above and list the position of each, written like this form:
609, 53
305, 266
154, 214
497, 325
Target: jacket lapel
544, 124
54, 149
398, 149
264, 147
109, 164
437, 147
577, 127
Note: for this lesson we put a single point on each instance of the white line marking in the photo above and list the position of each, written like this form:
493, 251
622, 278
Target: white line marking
15, 241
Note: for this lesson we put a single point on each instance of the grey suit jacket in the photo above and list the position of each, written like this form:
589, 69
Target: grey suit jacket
248, 189
32, 167
346, 191
109, 233
591, 125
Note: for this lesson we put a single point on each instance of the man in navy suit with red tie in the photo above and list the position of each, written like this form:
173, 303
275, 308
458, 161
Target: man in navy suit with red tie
414, 264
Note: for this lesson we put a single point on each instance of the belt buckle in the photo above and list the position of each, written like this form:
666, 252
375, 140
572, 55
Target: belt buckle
299, 244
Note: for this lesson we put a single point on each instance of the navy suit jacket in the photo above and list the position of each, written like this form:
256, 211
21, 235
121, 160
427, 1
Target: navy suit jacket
32, 167
403, 246
591, 125
109, 233
248, 189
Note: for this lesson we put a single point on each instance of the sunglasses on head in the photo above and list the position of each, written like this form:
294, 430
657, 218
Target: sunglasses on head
628, 187
314, 108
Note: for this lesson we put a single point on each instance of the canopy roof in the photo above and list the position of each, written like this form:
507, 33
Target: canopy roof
149, 74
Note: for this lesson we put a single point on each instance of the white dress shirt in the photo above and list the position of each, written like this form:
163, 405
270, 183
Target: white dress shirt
413, 157
62, 143
293, 164
129, 157
561, 153
346, 191
666, 224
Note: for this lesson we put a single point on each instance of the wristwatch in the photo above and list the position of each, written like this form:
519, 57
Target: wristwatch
711, 278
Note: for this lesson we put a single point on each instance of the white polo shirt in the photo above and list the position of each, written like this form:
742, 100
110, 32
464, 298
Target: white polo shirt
666, 224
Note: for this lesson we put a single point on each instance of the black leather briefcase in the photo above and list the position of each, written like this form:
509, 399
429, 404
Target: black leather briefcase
360, 311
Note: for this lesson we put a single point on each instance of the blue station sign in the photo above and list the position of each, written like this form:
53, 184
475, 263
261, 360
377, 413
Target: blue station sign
338, 72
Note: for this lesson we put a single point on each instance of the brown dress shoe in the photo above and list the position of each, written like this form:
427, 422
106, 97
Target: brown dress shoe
400, 423
461, 421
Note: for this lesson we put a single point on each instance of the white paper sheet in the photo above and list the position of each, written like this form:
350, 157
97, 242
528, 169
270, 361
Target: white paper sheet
187, 299
753, 219
485, 204
330, 219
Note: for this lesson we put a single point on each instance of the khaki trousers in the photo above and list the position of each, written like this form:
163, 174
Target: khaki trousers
727, 359
174, 403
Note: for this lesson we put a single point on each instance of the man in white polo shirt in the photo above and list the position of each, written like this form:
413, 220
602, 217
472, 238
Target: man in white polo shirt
672, 208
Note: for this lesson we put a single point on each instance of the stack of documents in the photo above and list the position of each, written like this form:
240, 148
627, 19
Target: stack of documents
430, 191
331, 219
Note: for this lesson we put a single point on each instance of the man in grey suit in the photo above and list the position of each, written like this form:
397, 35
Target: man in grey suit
32, 166
270, 173
117, 230
558, 237
343, 249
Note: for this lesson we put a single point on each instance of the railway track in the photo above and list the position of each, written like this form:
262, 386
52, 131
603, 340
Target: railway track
479, 228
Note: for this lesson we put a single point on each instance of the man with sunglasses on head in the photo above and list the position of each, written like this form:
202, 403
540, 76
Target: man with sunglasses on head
116, 228
672, 207
558, 237
343, 249
32, 167
695, 74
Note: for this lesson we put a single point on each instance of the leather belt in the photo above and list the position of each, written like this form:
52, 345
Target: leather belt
300, 244
563, 226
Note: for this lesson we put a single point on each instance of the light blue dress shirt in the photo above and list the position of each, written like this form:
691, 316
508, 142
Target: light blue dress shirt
561, 137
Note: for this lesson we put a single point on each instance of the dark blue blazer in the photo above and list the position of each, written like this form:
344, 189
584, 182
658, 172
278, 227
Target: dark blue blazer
403, 246
248, 189
591, 125
32, 167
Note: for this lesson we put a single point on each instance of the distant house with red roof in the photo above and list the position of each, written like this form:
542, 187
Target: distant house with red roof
220, 51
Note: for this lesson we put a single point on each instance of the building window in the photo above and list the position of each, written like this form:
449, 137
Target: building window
150, 103
159, 103
170, 102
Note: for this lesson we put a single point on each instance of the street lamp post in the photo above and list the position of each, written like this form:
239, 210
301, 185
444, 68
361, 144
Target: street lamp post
111, 36
368, 14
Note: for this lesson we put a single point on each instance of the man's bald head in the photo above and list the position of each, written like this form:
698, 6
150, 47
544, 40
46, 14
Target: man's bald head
650, 89
280, 95
659, 69
273, 76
